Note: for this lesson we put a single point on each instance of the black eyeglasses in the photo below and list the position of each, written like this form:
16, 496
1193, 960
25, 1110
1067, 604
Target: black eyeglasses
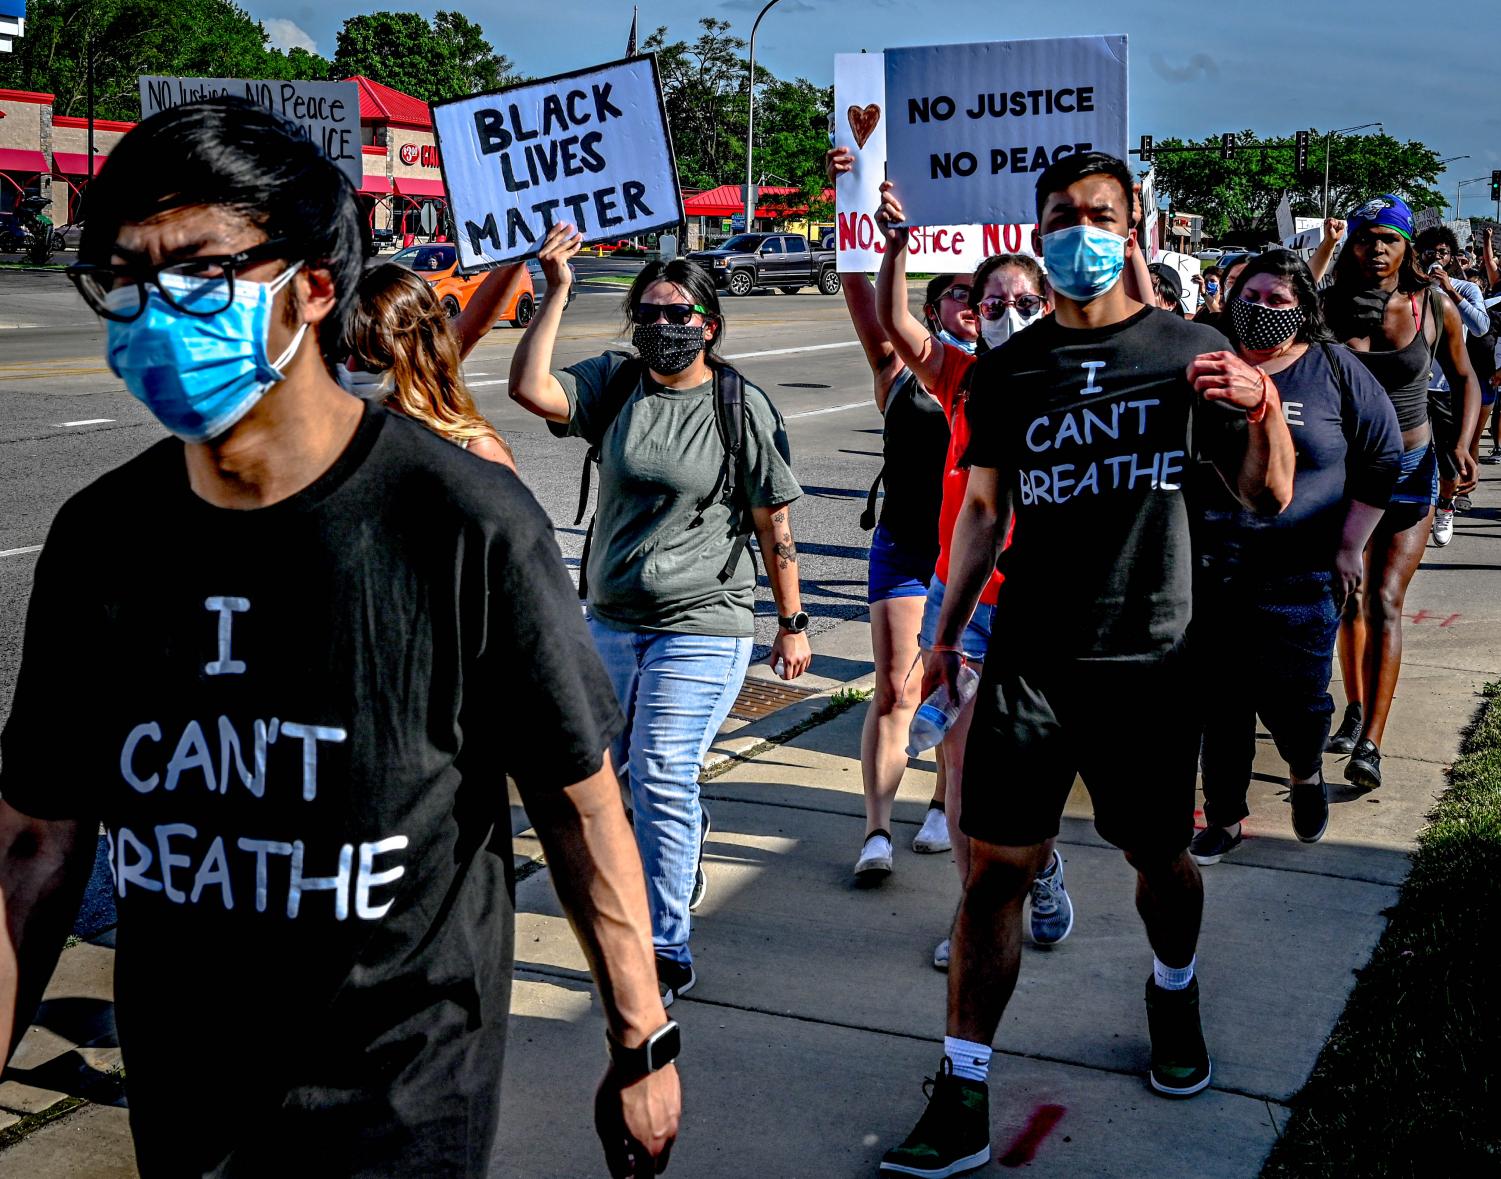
957, 293
677, 313
213, 281
995, 307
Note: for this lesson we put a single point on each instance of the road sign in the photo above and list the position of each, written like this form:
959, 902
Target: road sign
737, 223
428, 218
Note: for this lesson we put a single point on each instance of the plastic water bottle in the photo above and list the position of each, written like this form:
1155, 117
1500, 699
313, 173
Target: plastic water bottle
936, 715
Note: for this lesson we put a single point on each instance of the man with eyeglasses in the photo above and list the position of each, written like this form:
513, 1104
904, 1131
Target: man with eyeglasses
288, 657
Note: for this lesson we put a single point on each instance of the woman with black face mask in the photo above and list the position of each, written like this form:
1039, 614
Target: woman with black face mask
1268, 589
668, 578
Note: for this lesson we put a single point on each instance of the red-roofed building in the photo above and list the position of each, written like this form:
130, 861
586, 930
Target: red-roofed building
401, 159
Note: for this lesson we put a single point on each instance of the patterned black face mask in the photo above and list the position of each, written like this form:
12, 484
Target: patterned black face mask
1261, 328
668, 348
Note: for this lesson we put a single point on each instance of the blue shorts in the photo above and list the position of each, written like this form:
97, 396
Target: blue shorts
1418, 482
897, 572
974, 642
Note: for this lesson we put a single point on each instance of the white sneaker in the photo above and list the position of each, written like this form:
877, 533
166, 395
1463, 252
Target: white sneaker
934, 835
941, 956
874, 864
1443, 526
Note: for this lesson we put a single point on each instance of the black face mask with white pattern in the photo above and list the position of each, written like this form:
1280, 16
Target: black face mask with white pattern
668, 348
1261, 328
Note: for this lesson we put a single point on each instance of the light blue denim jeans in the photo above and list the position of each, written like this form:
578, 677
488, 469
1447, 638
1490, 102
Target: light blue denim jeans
675, 691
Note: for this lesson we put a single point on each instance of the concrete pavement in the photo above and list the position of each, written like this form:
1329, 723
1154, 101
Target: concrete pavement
817, 1015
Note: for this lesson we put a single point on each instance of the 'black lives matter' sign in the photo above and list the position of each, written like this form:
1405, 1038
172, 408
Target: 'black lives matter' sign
590, 148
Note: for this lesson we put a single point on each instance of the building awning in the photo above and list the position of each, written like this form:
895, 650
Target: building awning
18, 159
375, 185
408, 186
76, 163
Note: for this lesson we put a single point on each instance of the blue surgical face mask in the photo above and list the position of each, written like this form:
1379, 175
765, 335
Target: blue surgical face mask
198, 375
948, 337
1083, 262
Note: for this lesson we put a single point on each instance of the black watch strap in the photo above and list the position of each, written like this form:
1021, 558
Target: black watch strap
657, 1051
794, 623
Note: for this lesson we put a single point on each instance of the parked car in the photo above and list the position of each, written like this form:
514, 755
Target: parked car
439, 265
786, 261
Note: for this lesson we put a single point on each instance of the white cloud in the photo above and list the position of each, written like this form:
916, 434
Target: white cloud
287, 34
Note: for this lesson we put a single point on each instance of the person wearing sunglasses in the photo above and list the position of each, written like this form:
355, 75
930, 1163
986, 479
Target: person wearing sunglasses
293, 651
667, 577
1007, 294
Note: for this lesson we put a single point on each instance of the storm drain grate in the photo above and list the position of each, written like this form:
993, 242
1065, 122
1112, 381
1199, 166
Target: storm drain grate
759, 698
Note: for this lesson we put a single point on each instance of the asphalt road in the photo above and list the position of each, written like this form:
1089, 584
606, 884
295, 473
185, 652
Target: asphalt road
65, 419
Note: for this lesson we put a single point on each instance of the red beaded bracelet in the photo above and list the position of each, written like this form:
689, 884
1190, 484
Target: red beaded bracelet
1255, 415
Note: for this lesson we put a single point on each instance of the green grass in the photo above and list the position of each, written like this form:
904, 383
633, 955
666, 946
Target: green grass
1408, 1083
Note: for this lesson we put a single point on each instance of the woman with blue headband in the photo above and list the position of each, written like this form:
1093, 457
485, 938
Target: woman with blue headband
1399, 325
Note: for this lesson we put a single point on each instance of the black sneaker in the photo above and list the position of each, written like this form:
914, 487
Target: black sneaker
1212, 844
953, 1134
1343, 739
700, 881
1310, 809
1180, 1062
1364, 767
674, 979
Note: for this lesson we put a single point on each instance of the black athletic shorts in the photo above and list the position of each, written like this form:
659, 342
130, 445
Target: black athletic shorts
1445, 431
1130, 730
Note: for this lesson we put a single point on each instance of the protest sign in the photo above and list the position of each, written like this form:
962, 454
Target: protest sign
860, 125
328, 111
591, 148
971, 126
1285, 226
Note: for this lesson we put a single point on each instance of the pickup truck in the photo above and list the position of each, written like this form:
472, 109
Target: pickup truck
785, 261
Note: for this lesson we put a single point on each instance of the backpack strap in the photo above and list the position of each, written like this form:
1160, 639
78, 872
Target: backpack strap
906, 386
618, 390
729, 418
868, 516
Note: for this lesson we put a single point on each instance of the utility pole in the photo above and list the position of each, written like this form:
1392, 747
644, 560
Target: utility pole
88, 50
750, 124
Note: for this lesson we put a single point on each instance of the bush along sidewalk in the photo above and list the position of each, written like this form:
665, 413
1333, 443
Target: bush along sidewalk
1408, 1083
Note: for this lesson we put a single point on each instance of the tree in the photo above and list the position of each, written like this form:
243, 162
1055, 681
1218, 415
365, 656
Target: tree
792, 134
703, 89
448, 58
208, 38
1238, 197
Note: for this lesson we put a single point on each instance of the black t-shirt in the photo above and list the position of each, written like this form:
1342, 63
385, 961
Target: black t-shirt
1344, 430
1094, 432
295, 724
916, 447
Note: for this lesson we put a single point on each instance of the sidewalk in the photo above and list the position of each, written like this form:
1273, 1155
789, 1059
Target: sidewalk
817, 1015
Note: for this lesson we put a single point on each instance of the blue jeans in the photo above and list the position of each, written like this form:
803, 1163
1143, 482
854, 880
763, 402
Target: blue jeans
675, 691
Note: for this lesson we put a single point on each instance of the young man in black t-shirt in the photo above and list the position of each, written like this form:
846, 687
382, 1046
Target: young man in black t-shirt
1083, 429
288, 659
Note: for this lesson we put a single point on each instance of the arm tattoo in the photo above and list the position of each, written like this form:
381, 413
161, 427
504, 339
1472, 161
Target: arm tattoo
786, 551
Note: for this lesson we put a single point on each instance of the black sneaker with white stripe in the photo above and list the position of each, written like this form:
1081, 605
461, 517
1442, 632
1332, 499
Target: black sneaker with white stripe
674, 979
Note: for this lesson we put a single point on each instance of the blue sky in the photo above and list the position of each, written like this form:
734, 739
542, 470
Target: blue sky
1196, 68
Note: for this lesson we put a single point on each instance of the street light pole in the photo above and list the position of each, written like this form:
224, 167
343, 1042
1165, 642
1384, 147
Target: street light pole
750, 122
1459, 190
1328, 142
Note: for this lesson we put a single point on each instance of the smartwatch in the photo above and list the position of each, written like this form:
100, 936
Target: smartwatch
658, 1050
796, 624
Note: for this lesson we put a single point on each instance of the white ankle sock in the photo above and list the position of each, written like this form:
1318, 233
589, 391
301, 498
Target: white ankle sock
970, 1060
1172, 978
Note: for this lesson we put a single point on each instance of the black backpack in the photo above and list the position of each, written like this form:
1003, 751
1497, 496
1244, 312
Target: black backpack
729, 417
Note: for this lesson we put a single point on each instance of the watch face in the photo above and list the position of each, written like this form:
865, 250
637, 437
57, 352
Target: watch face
664, 1047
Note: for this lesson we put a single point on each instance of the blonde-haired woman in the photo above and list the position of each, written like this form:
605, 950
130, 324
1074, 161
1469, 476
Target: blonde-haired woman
406, 352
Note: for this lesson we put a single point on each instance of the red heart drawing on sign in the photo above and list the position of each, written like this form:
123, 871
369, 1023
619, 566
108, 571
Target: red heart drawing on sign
863, 121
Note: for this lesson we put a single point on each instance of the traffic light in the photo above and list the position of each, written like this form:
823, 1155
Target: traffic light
1300, 153
1146, 149
1496, 185
1227, 145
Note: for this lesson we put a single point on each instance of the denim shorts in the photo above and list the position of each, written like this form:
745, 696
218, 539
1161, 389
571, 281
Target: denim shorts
974, 642
1418, 483
896, 571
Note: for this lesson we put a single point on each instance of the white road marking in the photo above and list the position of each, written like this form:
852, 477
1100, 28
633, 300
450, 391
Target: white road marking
84, 422
813, 413
482, 384
790, 351
34, 548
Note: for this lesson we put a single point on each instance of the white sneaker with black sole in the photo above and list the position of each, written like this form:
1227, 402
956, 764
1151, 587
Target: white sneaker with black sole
934, 834
1443, 526
874, 864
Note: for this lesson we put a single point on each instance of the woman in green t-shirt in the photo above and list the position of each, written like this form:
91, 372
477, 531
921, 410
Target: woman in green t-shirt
670, 581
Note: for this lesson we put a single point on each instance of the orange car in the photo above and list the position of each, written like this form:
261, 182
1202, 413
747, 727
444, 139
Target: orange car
438, 264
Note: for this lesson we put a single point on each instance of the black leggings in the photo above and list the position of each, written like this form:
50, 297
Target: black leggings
1262, 645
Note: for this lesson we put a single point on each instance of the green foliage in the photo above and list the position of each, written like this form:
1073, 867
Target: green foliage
1406, 1084
1238, 197
704, 89
209, 38
447, 58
